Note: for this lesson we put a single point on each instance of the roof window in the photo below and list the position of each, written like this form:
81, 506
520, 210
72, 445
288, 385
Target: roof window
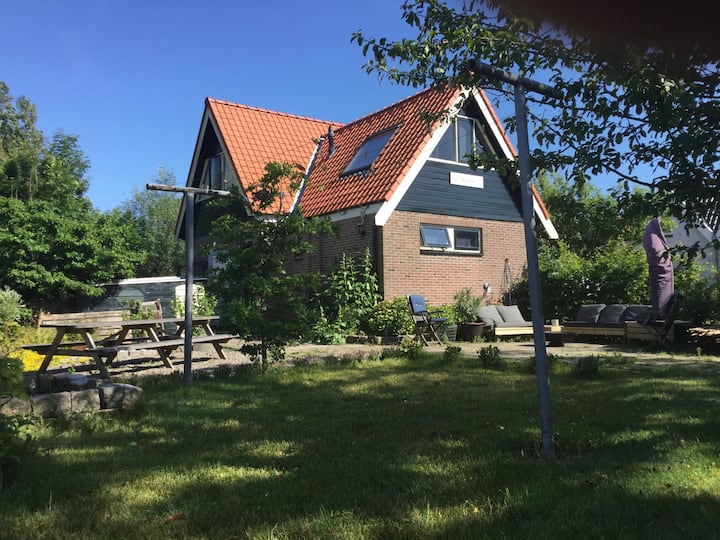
368, 152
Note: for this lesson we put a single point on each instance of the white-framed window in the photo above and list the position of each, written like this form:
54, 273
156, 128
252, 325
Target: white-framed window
457, 239
463, 138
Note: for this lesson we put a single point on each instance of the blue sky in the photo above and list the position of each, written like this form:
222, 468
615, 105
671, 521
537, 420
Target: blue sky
129, 77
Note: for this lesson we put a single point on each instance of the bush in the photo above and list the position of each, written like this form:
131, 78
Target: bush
12, 308
587, 366
489, 357
552, 361
465, 305
351, 292
390, 318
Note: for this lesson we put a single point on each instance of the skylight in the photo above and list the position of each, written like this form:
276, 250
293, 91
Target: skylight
368, 152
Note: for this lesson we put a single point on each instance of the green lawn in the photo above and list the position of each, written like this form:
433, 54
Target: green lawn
383, 449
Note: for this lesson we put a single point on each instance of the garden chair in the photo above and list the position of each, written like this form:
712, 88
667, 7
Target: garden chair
426, 323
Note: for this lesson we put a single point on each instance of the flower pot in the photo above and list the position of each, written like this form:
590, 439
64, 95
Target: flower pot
470, 331
450, 331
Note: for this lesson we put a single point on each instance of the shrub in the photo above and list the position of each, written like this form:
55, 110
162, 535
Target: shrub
326, 332
465, 305
410, 348
489, 357
451, 353
11, 377
12, 308
587, 366
351, 292
390, 318
552, 361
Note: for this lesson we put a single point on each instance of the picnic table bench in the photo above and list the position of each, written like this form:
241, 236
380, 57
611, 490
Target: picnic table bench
104, 351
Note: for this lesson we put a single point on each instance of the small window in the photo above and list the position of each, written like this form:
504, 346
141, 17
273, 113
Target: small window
436, 237
468, 240
449, 239
368, 152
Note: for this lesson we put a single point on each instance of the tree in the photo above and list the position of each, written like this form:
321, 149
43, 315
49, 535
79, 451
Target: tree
586, 218
645, 115
155, 215
262, 301
54, 246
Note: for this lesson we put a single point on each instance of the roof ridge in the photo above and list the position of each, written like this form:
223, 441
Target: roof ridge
270, 111
399, 103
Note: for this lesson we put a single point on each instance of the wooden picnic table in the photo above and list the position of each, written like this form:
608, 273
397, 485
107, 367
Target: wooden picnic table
153, 337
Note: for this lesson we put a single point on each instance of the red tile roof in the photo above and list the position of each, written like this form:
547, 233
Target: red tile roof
328, 192
254, 137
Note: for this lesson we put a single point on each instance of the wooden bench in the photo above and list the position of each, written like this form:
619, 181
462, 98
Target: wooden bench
167, 344
83, 316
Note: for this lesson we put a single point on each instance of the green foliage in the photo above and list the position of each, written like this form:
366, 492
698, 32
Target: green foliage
552, 362
260, 300
15, 441
411, 348
12, 307
465, 305
351, 292
615, 273
11, 377
390, 318
700, 300
451, 353
587, 367
204, 303
326, 332
624, 110
490, 357
154, 215
54, 247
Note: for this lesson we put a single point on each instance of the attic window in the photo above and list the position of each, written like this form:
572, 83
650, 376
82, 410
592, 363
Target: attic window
463, 137
368, 152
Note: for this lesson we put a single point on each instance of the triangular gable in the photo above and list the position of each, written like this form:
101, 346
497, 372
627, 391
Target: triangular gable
251, 137
393, 171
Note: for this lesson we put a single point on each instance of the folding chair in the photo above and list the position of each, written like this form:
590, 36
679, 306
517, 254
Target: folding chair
425, 322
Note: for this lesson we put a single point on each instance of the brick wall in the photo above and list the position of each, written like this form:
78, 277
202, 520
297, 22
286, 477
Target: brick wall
435, 275
330, 248
438, 276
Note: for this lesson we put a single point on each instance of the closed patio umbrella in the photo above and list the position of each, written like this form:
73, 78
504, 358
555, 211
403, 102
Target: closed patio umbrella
662, 275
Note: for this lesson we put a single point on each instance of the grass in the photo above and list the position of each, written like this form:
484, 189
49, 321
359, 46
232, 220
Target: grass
437, 447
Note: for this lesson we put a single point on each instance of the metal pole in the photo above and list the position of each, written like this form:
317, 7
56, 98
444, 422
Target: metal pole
190, 193
189, 278
543, 383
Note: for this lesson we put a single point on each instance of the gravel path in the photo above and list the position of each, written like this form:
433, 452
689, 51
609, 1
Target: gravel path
141, 364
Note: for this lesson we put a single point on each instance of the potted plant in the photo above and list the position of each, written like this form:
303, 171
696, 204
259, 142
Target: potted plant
450, 328
465, 306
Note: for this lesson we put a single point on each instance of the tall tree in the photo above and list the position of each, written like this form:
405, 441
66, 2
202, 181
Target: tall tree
261, 300
155, 214
54, 246
645, 115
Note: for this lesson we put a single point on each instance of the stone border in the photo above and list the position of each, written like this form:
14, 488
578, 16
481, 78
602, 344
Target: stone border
63, 394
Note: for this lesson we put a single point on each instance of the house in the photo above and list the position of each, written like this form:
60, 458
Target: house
396, 182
